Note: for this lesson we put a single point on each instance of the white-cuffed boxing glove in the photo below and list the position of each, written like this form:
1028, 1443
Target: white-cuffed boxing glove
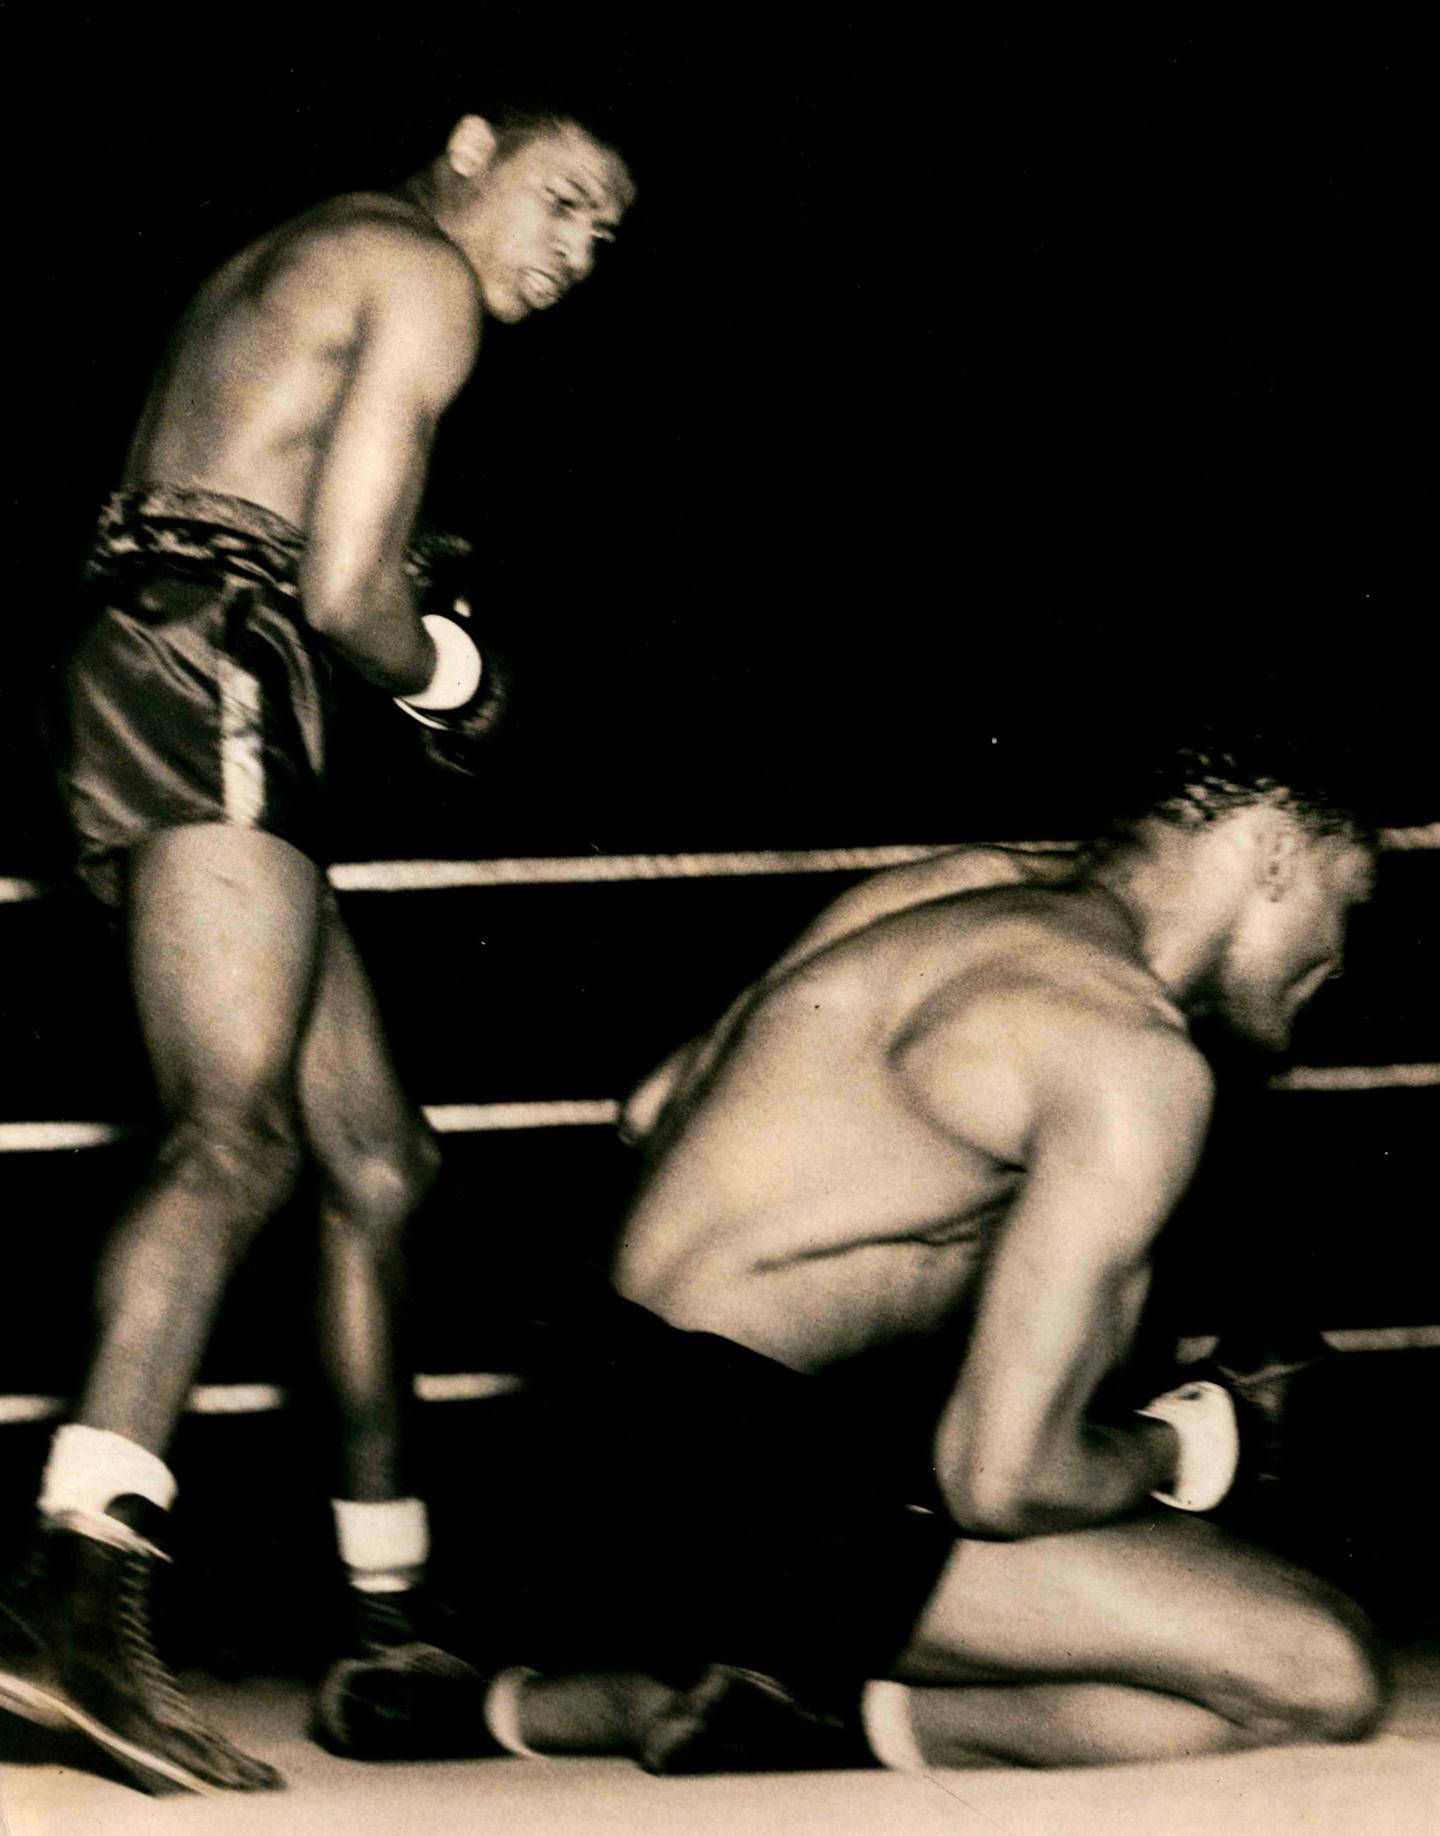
466, 695
1203, 1417
456, 678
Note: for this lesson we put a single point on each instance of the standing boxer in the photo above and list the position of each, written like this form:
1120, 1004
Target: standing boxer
260, 539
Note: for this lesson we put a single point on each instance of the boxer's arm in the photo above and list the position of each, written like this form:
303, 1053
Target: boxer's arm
1119, 1122
677, 1077
416, 345
648, 1101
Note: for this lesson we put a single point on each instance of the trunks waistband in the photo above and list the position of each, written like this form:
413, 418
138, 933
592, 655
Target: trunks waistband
182, 528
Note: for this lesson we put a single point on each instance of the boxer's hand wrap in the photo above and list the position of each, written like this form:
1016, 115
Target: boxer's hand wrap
457, 676
1203, 1418
465, 696
439, 567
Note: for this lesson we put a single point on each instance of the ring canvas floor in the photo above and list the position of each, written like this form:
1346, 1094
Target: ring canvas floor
1389, 1786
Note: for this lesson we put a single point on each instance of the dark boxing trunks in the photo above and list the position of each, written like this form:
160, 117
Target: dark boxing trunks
688, 1501
196, 693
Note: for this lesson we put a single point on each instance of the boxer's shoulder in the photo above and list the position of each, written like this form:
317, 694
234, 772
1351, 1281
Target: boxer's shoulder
955, 874
983, 935
981, 866
1037, 1020
1030, 976
364, 248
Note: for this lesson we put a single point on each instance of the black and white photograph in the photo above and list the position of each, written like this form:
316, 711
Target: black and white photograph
720, 879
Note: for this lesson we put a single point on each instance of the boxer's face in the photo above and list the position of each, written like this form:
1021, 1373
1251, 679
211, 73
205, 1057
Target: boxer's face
1291, 938
532, 230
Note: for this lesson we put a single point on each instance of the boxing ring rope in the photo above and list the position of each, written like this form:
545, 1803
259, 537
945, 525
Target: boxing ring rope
482, 1118
604, 1112
444, 1118
269, 1398
599, 869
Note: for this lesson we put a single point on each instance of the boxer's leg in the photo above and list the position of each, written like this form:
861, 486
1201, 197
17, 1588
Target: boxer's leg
223, 932
377, 1159
393, 1708
1154, 1638
223, 924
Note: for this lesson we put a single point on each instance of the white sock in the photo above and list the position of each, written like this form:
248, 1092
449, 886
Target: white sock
502, 1711
89, 1468
383, 1546
885, 1714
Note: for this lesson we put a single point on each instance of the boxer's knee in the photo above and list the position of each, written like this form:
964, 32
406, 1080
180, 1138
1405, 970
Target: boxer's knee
244, 1156
1315, 1675
220, 1173
375, 1186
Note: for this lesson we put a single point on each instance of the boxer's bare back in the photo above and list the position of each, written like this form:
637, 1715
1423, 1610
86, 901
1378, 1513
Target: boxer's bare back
833, 1164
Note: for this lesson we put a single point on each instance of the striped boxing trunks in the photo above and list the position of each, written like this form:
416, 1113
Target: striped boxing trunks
195, 693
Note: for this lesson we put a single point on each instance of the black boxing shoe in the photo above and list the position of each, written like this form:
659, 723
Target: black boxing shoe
736, 1720
381, 1623
402, 1693
406, 1701
89, 1661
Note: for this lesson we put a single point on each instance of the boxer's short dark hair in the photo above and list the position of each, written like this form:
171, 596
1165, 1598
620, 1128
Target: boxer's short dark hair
1209, 775
517, 124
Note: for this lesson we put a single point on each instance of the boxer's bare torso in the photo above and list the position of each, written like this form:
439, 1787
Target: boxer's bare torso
834, 1165
247, 400
312, 369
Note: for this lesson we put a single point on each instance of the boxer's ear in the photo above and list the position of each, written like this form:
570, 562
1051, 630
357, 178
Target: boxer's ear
471, 147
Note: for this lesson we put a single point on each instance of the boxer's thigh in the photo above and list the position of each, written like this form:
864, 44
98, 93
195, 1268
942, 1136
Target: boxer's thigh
1165, 1601
353, 1105
222, 929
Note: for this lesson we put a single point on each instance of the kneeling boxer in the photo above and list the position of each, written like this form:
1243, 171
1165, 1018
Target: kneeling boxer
955, 1117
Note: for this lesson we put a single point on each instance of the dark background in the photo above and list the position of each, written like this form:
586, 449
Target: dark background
959, 408
956, 402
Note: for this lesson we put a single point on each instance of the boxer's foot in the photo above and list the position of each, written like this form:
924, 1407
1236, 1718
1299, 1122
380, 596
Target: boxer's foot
737, 1720
404, 1702
89, 1662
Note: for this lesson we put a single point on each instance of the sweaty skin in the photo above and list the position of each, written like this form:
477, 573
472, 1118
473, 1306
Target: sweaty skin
308, 377
829, 1193
966, 1102
311, 370
670, 1085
